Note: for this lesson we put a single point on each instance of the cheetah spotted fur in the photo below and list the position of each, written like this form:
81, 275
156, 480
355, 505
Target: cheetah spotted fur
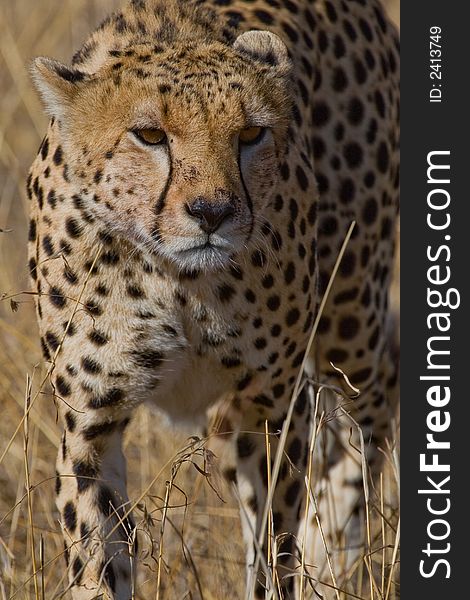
203, 163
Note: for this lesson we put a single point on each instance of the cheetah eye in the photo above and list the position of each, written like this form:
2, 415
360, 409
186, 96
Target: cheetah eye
251, 135
151, 137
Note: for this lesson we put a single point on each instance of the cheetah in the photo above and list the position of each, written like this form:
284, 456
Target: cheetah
202, 165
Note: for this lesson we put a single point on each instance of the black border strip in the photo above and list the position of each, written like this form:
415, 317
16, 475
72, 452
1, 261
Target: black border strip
428, 127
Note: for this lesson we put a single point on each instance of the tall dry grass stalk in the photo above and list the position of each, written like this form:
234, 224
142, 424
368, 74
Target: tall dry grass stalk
183, 516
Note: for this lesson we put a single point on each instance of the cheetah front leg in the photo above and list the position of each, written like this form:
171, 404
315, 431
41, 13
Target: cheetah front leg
97, 388
94, 508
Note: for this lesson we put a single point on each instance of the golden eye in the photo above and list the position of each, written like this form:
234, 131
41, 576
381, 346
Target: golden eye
250, 135
150, 136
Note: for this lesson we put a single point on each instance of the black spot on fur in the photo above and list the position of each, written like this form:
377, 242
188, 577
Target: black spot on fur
289, 273
85, 473
110, 258
225, 292
230, 475
90, 365
353, 154
260, 343
62, 386
340, 80
70, 421
48, 245
77, 569
57, 297
70, 276
348, 327
322, 41
273, 302
383, 158
110, 398
69, 74
292, 317
93, 308
45, 350
346, 296
245, 446
348, 264
98, 338
374, 338
301, 402
366, 30
361, 376
84, 531
336, 355
70, 517
230, 361
264, 16
278, 390
105, 501
32, 231
320, 114
135, 292
258, 258
58, 156
301, 178
44, 148
263, 400
236, 272
250, 296
73, 228
58, 484
268, 281
295, 450
360, 72
347, 191
370, 211
147, 358
52, 341
292, 493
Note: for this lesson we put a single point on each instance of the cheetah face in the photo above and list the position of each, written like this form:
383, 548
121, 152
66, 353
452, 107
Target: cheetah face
179, 150
206, 179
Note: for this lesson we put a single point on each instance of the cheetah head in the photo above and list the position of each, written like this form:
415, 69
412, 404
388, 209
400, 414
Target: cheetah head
176, 148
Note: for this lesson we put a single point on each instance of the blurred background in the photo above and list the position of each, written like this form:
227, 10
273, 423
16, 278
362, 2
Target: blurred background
28, 522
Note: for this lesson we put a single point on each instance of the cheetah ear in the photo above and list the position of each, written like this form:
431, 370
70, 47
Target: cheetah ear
56, 83
264, 47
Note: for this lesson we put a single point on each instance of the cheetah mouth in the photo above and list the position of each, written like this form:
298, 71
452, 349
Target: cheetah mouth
207, 246
204, 257
207, 253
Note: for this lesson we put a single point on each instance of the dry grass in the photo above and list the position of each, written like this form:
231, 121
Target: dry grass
202, 553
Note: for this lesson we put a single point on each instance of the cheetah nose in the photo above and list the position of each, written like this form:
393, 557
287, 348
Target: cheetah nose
210, 215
